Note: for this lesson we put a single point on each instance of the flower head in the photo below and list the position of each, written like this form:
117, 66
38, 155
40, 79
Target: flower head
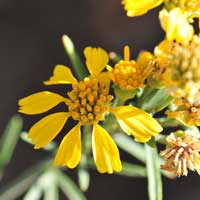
136, 8
87, 103
181, 153
130, 74
175, 24
186, 112
179, 66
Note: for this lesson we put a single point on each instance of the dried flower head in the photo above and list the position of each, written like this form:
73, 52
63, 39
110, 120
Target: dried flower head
182, 153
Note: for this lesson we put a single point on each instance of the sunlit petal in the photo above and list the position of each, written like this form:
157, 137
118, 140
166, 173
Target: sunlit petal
44, 131
96, 59
136, 122
105, 151
39, 102
69, 152
61, 75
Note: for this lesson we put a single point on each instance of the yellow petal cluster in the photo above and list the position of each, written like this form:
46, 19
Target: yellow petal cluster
87, 103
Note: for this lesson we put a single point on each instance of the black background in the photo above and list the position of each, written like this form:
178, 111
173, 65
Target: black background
30, 46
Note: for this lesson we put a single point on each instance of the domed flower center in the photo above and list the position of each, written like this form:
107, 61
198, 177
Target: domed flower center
88, 101
127, 73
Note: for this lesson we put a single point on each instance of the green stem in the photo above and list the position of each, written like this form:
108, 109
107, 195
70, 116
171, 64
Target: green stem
153, 172
78, 66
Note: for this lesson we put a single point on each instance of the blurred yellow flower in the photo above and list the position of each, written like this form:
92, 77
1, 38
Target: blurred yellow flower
175, 24
186, 112
136, 8
87, 103
178, 67
130, 74
182, 153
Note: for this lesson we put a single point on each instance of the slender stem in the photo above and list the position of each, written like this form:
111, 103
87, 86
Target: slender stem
153, 172
78, 66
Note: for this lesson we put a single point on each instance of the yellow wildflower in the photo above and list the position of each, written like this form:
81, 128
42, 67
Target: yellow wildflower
136, 8
175, 24
182, 153
186, 112
178, 66
130, 74
87, 103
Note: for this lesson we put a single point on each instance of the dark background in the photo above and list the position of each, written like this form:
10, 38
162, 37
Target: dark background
30, 46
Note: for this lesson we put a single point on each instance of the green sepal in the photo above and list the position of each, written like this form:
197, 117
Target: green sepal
124, 94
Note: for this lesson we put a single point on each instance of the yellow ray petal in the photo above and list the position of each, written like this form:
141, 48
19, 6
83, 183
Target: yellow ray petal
47, 128
61, 75
39, 102
105, 78
96, 59
136, 122
136, 8
69, 152
105, 151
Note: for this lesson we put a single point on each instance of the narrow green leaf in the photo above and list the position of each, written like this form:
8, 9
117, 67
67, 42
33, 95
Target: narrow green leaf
83, 179
154, 100
128, 144
74, 58
34, 193
153, 173
17, 187
132, 170
168, 122
69, 188
49, 183
136, 150
9, 139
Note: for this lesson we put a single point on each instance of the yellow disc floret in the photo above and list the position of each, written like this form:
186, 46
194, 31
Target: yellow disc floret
88, 101
129, 74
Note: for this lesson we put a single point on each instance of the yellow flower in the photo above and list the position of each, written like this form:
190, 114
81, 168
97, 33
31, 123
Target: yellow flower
130, 74
186, 112
178, 66
136, 8
175, 24
182, 153
87, 103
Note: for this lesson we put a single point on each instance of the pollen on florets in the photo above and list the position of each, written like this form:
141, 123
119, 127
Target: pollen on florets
88, 101
182, 153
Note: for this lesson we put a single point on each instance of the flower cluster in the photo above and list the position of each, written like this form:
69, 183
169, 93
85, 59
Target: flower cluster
125, 96
88, 103
176, 62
